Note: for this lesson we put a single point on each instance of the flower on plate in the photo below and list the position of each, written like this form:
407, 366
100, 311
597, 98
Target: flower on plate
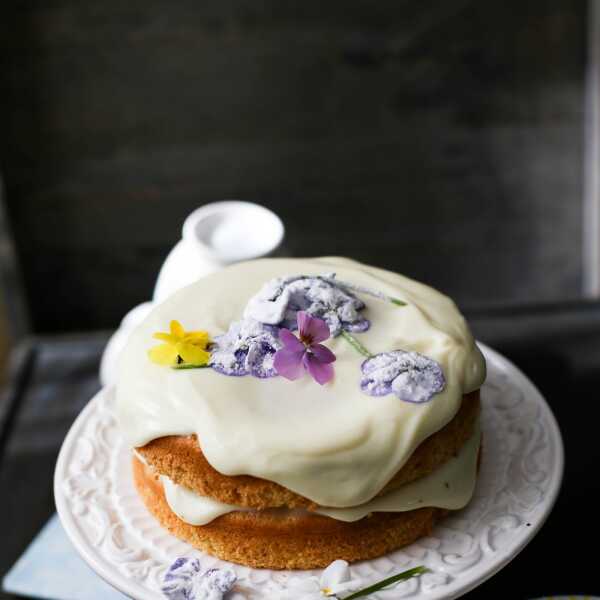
185, 580
280, 299
306, 353
334, 580
247, 348
413, 377
180, 347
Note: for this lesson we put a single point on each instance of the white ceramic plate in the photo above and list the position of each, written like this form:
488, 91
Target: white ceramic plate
520, 477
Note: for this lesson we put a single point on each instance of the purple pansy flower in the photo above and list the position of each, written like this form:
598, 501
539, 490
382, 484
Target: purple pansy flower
413, 377
185, 580
306, 353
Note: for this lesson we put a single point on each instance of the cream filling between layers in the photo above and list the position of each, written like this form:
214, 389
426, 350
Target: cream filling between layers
451, 487
333, 444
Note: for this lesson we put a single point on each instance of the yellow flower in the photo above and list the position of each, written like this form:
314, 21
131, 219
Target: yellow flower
190, 347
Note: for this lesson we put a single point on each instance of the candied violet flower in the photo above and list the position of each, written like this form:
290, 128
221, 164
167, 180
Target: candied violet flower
280, 299
185, 580
306, 353
413, 377
248, 348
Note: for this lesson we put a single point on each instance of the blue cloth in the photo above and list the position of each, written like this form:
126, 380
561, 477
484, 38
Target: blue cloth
40, 572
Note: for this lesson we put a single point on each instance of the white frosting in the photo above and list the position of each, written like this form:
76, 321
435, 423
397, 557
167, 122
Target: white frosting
192, 507
333, 444
450, 487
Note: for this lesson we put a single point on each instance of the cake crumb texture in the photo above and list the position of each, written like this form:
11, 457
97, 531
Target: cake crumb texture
180, 458
277, 539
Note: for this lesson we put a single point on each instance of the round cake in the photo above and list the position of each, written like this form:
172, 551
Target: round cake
285, 413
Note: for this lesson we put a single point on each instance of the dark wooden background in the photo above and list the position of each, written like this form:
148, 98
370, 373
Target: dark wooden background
441, 138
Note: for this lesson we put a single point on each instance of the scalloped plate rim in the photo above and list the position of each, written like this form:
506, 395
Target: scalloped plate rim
132, 588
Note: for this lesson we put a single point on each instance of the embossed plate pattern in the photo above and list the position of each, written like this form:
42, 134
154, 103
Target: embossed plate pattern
519, 480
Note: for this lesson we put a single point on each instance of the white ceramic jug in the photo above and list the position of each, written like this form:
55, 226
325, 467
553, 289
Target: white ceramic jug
213, 236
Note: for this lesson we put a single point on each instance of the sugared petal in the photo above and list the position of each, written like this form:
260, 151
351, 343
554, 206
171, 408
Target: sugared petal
413, 377
290, 341
177, 329
192, 354
248, 347
165, 354
320, 372
322, 353
312, 328
217, 580
185, 581
280, 299
289, 364
179, 579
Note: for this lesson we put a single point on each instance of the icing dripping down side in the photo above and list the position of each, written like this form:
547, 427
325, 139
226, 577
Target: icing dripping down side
450, 487
192, 507
333, 444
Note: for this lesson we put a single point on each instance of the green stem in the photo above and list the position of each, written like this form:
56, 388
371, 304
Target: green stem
397, 301
360, 289
188, 366
381, 584
355, 344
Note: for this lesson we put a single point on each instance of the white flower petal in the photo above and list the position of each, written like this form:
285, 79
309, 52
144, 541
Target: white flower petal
336, 573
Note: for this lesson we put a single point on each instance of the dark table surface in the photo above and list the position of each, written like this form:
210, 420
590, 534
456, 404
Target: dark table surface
52, 378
